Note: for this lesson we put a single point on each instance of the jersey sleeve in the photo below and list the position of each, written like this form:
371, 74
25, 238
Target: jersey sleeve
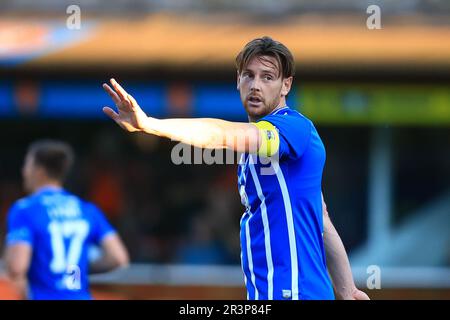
270, 139
19, 228
292, 135
100, 225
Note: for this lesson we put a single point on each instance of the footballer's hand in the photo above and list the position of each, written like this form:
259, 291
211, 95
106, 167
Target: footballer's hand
130, 115
359, 295
354, 294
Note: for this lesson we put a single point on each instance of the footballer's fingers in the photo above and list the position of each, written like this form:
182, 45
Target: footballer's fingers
111, 93
119, 90
133, 103
111, 113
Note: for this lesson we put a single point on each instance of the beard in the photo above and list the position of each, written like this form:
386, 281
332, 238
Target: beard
256, 111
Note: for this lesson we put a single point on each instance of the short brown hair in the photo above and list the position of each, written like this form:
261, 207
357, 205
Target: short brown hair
266, 46
55, 157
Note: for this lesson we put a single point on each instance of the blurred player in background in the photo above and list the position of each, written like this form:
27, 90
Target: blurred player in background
287, 238
51, 231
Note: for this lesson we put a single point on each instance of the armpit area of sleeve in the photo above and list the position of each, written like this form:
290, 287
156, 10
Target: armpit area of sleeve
270, 139
107, 234
21, 235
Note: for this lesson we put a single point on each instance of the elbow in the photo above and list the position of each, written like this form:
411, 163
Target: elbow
328, 227
122, 261
325, 213
325, 210
115, 254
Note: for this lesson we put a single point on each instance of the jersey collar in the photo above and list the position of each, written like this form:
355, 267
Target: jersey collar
277, 111
44, 189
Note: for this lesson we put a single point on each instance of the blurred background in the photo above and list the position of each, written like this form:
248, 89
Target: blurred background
380, 99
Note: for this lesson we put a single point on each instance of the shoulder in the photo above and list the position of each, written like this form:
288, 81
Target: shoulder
290, 119
290, 123
22, 205
90, 208
21, 212
294, 130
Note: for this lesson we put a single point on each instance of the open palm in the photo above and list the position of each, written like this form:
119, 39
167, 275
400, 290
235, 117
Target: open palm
130, 115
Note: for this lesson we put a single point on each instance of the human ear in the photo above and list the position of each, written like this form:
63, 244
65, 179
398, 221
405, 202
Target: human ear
238, 78
287, 83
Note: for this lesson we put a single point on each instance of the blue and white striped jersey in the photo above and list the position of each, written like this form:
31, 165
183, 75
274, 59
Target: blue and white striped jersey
282, 249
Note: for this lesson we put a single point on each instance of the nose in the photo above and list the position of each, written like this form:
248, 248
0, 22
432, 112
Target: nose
255, 84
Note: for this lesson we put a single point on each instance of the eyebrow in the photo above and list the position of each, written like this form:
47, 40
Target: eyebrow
269, 67
272, 71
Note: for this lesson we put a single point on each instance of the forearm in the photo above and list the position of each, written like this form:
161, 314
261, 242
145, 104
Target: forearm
17, 262
103, 264
206, 133
113, 255
337, 261
19, 283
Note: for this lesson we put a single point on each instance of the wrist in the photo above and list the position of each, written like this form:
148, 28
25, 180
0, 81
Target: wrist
151, 126
346, 293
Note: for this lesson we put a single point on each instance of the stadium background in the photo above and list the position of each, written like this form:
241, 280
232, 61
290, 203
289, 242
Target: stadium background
380, 100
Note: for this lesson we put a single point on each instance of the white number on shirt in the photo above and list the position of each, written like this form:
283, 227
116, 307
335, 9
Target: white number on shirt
76, 231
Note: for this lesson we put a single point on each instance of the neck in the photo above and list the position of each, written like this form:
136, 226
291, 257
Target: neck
47, 184
280, 105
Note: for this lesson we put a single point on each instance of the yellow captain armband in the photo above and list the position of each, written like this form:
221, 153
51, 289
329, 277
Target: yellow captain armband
270, 139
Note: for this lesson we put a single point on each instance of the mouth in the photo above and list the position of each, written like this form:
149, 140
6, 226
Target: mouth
254, 100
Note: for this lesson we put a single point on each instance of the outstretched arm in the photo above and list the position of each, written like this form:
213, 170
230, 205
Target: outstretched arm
201, 132
337, 262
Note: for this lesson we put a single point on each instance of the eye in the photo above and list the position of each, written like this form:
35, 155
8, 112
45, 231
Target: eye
268, 77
